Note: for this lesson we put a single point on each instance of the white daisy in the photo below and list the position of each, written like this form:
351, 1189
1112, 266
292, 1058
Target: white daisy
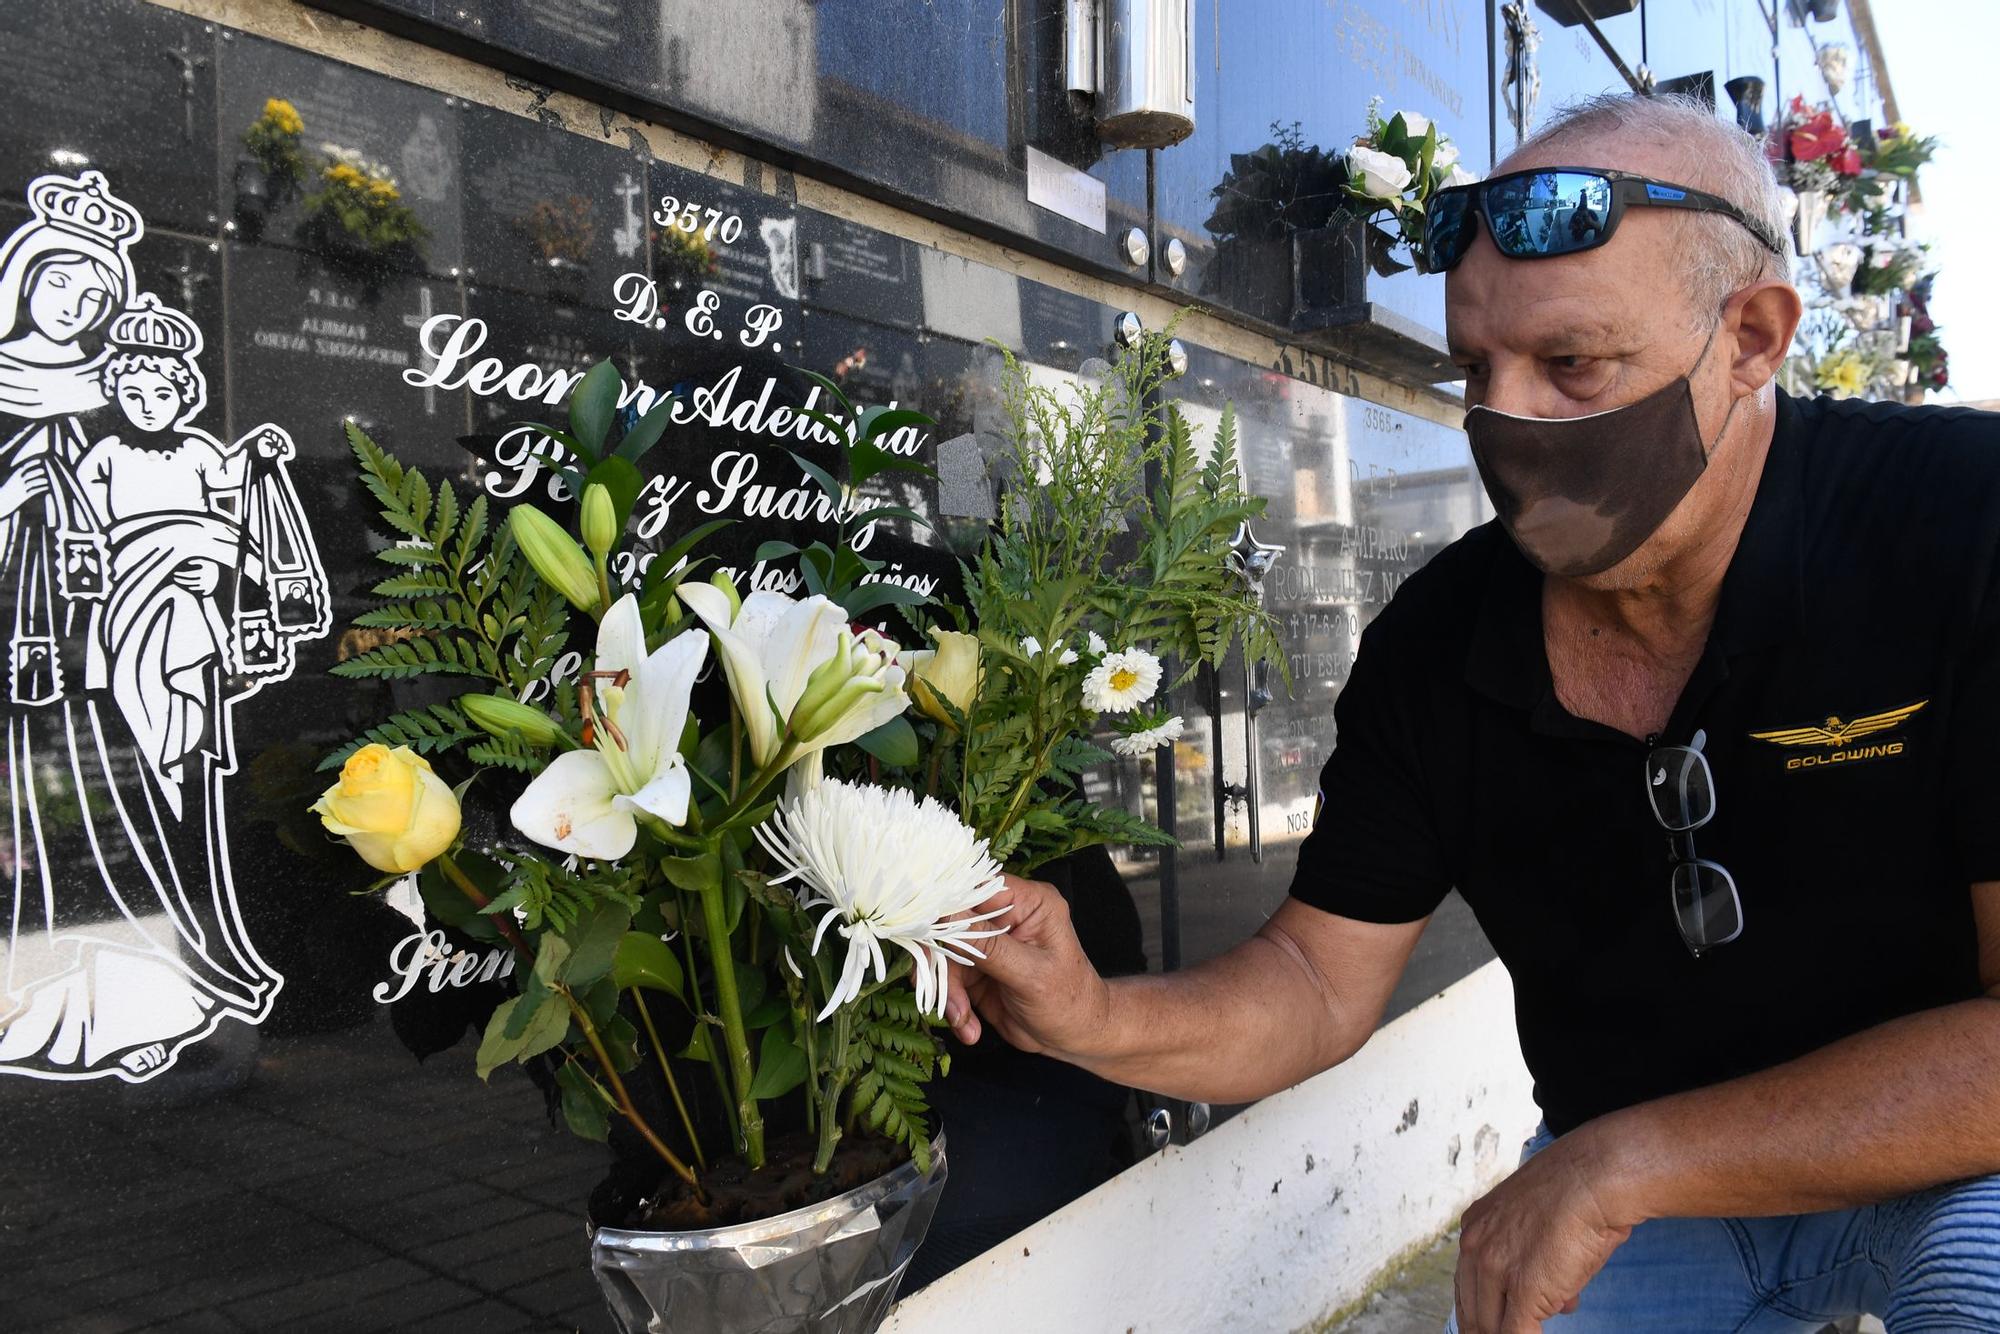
887, 867
1122, 681
1033, 648
1095, 643
1147, 739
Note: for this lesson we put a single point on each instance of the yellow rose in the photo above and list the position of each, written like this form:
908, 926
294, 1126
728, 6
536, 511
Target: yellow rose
951, 671
390, 808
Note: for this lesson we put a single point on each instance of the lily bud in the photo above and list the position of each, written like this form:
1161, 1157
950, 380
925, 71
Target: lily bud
555, 555
600, 520
503, 716
727, 587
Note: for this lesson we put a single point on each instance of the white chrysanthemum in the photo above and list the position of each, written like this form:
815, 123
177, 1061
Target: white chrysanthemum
1147, 739
887, 867
1122, 681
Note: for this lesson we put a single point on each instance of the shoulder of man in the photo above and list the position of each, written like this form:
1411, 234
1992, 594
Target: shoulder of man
1858, 435
1437, 603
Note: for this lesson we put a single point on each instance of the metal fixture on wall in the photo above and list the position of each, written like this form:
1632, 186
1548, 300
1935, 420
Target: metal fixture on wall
1136, 247
1135, 60
1522, 86
1175, 254
1128, 328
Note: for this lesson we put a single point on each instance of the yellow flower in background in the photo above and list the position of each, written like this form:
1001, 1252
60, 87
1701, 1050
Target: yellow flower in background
1843, 374
391, 809
384, 191
345, 175
283, 115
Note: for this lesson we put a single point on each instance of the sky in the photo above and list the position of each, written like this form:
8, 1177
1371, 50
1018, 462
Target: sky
1940, 55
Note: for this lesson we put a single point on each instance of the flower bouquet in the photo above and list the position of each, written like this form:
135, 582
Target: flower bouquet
734, 915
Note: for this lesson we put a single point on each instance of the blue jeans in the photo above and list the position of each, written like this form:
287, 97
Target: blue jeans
1926, 1262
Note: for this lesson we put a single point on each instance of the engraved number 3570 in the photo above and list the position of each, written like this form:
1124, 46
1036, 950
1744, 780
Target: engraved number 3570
689, 217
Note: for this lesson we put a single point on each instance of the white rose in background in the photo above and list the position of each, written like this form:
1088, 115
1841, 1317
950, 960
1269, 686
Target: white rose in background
1445, 158
1415, 122
887, 868
1458, 176
1380, 175
588, 801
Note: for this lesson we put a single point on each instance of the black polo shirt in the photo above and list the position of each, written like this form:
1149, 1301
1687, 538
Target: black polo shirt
1864, 584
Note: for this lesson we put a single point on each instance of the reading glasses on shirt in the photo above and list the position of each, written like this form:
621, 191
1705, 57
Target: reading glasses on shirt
1681, 788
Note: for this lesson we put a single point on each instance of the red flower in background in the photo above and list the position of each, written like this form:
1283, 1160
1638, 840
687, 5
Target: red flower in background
1847, 162
1818, 137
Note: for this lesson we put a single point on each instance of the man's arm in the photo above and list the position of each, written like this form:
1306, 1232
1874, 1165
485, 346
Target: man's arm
1897, 1108
1300, 996
1902, 1106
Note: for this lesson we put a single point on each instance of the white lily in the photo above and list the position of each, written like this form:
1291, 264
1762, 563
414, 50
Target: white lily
588, 802
795, 663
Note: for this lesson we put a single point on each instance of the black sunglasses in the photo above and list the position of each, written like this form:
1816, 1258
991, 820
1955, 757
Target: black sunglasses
1554, 211
1681, 787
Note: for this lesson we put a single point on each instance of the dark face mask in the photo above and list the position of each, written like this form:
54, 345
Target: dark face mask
1580, 494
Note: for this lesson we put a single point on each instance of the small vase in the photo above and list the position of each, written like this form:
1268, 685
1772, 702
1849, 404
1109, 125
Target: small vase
829, 1268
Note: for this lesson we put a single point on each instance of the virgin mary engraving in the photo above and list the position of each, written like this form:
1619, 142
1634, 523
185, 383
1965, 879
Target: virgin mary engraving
152, 576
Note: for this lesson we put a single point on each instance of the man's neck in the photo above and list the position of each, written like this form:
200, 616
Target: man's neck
1666, 612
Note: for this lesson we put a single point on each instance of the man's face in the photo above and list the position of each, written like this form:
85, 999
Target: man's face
1588, 332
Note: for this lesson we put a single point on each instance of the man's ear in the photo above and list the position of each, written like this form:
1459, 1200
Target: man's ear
1762, 319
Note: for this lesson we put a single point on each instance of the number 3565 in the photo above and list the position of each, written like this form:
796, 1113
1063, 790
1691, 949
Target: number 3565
712, 223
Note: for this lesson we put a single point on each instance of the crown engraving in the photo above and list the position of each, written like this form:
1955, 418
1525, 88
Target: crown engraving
85, 205
148, 326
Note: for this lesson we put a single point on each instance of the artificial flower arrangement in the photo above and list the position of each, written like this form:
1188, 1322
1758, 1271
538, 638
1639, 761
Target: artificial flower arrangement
357, 211
560, 231
1929, 362
735, 920
1899, 151
273, 141
1815, 150
1385, 177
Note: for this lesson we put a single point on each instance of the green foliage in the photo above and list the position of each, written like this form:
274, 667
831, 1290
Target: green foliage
459, 601
555, 897
891, 1056
1084, 547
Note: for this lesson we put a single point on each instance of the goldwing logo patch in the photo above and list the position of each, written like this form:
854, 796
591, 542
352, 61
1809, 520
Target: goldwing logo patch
1833, 742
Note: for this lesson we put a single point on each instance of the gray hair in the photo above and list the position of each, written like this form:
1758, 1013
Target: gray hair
1718, 255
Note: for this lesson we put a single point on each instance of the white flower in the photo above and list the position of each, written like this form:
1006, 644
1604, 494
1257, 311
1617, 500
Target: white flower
1147, 739
1095, 643
1415, 122
587, 802
795, 664
1458, 176
1446, 157
888, 868
1033, 648
1377, 174
1122, 681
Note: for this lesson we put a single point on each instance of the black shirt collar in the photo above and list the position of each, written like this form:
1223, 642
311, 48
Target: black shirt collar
1762, 600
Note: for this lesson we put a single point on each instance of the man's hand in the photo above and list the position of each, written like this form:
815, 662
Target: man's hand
1528, 1248
1035, 986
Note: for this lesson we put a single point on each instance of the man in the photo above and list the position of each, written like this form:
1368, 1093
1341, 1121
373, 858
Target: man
1707, 731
